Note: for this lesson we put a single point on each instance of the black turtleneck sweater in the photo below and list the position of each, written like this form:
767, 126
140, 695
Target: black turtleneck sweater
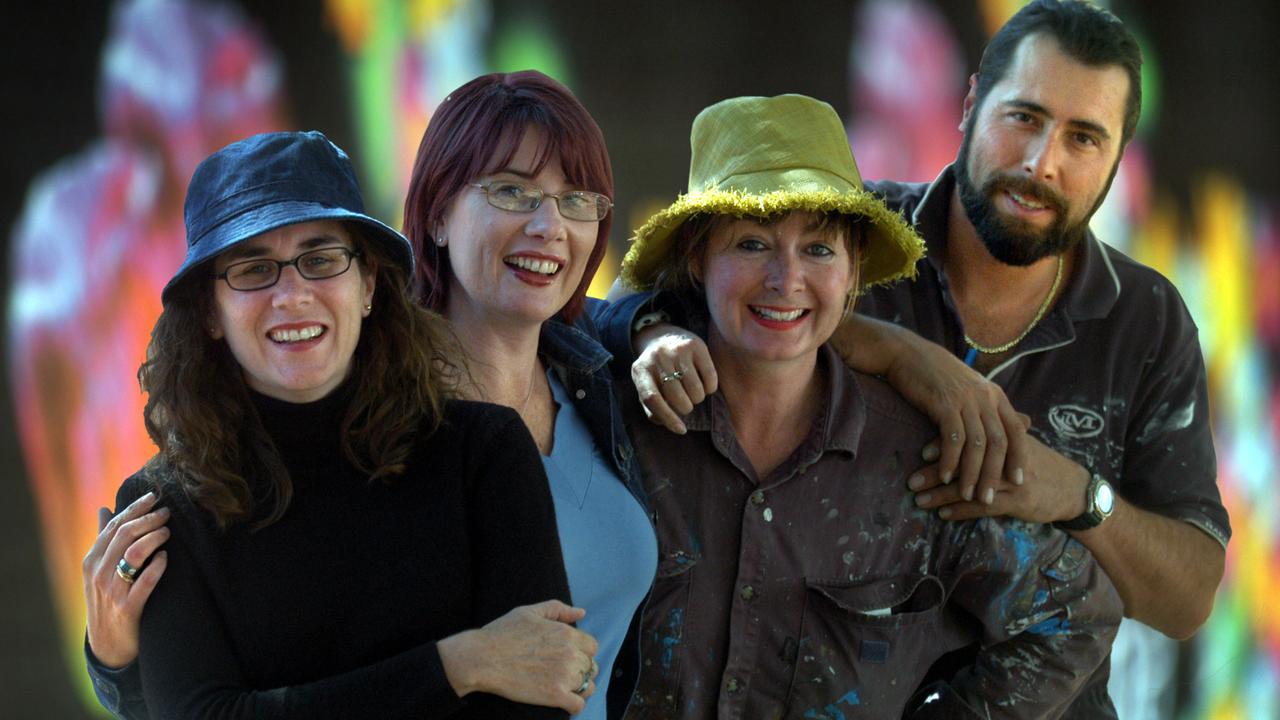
334, 610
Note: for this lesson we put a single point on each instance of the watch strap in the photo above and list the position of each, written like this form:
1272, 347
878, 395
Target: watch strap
1092, 516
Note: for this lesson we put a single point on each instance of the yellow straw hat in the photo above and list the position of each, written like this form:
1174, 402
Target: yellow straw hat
758, 156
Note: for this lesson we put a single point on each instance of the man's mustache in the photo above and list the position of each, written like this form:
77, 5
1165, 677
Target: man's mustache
1029, 189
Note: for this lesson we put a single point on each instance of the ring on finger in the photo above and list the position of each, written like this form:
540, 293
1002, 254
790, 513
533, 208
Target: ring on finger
127, 572
586, 683
977, 442
955, 436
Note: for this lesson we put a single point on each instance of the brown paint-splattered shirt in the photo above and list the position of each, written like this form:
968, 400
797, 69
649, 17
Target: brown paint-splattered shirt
822, 592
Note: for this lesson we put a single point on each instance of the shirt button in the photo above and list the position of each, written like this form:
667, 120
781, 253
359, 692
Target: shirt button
757, 497
747, 592
580, 394
732, 685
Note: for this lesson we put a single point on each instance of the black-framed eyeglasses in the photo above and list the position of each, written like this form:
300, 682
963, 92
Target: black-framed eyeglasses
521, 197
262, 273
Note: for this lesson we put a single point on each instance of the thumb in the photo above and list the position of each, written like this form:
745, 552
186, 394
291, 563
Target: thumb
558, 611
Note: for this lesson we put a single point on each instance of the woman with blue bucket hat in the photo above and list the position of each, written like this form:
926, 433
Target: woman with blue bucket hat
345, 539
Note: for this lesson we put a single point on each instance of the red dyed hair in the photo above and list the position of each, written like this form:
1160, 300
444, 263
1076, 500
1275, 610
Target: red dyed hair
476, 130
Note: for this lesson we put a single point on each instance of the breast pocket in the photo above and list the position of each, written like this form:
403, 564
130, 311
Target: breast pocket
861, 646
657, 693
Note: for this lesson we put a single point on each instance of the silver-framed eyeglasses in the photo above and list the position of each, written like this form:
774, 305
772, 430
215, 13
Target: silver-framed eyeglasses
521, 197
262, 273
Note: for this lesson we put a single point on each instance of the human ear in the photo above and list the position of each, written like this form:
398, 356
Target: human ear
370, 278
970, 100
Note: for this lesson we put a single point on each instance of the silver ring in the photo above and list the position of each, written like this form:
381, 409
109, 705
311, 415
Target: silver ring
673, 375
127, 572
586, 683
955, 436
977, 443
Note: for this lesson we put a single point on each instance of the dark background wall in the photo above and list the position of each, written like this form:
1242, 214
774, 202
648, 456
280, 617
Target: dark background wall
644, 69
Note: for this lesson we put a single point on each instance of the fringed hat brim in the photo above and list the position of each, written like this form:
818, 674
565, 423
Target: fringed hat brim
891, 253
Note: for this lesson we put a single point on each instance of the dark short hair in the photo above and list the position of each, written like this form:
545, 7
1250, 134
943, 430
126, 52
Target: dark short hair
477, 129
1086, 32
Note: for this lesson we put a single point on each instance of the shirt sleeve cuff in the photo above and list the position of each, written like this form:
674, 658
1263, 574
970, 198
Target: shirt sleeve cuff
116, 688
616, 320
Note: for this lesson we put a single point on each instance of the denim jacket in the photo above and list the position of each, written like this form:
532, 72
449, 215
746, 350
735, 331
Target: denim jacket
583, 366
119, 691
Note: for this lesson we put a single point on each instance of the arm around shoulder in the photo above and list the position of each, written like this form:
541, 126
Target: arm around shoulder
1166, 570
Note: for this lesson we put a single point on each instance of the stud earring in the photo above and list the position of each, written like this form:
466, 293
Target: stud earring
441, 240
368, 308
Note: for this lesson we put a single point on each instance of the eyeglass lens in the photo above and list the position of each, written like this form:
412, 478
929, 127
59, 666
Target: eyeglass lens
265, 272
575, 204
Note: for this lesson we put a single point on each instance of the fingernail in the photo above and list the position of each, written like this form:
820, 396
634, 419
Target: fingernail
946, 477
968, 493
682, 429
151, 495
163, 512
944, 513
916, 482
922, 499
1017, 476
989, 496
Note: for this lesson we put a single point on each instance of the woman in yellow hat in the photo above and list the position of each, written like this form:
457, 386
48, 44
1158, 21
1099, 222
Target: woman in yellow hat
796, 576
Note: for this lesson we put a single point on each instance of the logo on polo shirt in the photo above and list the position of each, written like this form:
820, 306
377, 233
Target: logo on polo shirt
1074, 421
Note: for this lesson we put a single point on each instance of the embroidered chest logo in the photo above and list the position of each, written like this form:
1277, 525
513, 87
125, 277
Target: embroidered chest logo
1074, 421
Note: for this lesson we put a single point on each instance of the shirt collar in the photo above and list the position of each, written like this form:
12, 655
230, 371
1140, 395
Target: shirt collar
841, 416
571, 346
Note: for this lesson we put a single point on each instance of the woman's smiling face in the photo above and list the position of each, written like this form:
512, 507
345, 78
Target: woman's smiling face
294, 340
775, 291
509, 266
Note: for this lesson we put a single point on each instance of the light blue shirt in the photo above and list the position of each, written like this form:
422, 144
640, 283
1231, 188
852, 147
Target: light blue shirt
610, 552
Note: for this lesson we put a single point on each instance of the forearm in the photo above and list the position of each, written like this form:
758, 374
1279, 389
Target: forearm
871, 346
1166, 570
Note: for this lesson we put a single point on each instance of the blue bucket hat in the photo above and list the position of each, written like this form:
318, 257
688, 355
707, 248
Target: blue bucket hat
268, 181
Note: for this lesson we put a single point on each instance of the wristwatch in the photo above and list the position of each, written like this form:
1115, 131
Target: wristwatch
1099, 499
652, 318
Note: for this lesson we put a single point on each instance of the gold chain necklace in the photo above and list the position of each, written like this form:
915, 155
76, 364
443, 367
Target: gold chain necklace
1044, 307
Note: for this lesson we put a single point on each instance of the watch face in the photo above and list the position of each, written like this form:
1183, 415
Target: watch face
1104, 498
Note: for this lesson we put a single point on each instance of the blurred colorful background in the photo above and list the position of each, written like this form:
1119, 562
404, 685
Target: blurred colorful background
111, 104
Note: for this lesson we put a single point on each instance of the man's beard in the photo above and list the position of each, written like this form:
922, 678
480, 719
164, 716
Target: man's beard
1011, 241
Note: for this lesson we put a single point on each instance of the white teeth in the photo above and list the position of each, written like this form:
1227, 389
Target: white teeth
542, 267
777, 315
291, 336
1025, 202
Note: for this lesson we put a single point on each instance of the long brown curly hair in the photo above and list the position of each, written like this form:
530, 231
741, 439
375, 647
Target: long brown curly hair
213, 446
